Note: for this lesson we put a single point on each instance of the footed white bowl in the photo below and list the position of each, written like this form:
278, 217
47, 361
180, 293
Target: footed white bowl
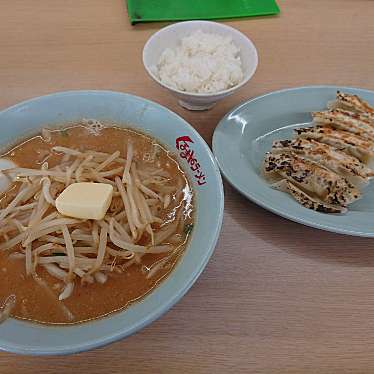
169, 36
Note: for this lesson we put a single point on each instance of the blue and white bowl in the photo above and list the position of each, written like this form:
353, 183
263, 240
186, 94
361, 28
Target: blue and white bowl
177, 135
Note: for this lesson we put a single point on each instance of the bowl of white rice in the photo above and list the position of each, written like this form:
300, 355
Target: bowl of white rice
200, 62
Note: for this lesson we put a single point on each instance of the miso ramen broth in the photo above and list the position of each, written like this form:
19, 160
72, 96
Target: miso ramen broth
58, 269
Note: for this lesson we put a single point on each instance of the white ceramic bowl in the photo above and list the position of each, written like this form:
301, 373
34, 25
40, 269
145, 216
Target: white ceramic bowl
130, 111
169, 36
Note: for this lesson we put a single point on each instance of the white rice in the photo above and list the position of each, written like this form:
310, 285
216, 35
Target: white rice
201, 63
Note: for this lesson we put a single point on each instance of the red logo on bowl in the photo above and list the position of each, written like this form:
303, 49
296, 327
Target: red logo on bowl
183, 144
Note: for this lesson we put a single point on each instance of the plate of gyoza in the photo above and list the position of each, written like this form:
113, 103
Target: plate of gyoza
306, 154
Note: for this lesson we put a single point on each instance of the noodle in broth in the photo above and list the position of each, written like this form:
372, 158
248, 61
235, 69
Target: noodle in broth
59, 269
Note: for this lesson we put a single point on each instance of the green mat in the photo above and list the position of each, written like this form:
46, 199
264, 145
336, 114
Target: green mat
178, 10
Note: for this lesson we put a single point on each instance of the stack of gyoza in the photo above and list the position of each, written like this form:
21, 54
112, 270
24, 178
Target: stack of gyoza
325, 167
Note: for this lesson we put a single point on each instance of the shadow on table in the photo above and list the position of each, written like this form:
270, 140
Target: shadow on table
298, 239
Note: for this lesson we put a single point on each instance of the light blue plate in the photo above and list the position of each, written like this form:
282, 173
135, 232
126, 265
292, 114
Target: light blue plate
123, 109
244, 135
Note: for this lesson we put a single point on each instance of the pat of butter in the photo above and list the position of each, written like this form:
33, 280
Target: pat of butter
85, 200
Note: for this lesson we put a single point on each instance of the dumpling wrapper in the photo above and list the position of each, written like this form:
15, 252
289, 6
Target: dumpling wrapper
343, 140
306, 200
310, 176
354, 104
339, 162
347, 121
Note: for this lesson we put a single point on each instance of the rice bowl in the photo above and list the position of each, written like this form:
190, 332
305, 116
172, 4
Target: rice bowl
170, 37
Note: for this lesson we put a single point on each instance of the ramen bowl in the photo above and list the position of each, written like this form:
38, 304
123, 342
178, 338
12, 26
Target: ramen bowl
27, 118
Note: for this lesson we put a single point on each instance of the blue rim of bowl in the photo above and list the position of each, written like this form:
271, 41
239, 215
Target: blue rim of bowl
259, 202
194, 94
158, 312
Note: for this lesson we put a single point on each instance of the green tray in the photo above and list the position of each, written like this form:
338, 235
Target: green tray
179, 10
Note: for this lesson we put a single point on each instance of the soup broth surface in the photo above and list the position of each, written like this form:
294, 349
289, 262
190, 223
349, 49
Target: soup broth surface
38, 301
